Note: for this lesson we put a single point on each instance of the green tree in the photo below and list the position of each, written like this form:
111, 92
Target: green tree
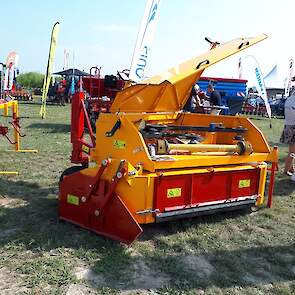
31, 80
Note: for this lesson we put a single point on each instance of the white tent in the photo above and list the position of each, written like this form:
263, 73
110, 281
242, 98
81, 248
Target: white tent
276, 78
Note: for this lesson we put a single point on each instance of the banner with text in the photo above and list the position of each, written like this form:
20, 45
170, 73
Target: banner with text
141, 54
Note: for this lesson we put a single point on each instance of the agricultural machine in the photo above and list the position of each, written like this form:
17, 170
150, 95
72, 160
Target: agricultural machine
13, 105
150, 162
10, 108
102, 91
4, 130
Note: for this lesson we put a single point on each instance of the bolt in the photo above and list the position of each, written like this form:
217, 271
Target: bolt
119, 175
96, 213
83, 199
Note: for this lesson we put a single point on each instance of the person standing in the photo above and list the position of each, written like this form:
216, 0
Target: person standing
288, 134
214, 96
214, 99
194, 104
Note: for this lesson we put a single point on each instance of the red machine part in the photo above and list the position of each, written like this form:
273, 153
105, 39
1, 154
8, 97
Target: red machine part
92, 203
102, 91
192, 190
15, 125
3, 130
99, 87
274, 167
79, 119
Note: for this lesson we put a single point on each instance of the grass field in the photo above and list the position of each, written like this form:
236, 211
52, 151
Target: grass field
230, 253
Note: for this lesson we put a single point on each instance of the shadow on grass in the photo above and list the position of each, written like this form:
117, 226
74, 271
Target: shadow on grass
34, 226
53, 127
151, 231
250, 267
284, 186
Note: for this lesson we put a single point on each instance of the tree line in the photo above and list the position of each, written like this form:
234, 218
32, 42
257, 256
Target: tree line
31, 80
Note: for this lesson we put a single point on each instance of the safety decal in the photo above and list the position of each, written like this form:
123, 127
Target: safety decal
74, 200
244, 183
174, 192
85, 149
119, 144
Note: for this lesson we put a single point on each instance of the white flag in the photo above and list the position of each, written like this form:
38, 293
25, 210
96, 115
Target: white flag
260, 85
144, 41
66, 59
11, 64
289, 78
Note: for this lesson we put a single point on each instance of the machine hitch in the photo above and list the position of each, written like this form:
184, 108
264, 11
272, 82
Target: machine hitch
92, 203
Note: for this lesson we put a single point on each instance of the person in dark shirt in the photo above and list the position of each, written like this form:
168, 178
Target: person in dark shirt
214, 96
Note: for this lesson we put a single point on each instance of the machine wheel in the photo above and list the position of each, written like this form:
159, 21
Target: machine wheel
70, 171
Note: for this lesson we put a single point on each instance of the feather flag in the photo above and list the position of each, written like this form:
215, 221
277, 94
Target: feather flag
144, 41
289, 78
11, 64
259, 81
47, 78
66, 59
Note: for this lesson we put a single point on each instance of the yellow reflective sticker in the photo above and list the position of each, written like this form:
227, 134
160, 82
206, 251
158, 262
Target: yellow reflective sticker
85, 149
174, 192
74, 200
244, 183
119, 144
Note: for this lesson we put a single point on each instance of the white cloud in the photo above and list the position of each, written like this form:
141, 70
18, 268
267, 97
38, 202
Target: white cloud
115, 28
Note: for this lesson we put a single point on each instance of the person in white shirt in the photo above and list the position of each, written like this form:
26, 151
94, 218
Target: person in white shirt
194, 104
288, 134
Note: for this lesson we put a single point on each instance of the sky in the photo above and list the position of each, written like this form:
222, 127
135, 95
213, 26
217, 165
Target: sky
103, 32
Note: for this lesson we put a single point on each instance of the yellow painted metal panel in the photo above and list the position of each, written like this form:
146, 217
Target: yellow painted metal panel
262, 181
213, 56
135, 149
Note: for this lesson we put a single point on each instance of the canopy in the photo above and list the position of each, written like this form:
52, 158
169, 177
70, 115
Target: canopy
71, 72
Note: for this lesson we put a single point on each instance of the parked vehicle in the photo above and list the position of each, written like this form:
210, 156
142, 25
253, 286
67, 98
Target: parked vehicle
254, 106
278, 107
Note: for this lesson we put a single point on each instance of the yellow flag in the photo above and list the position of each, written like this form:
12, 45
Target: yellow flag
47, 77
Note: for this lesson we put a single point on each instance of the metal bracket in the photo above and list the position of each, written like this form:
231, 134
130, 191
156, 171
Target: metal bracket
16, 127
114, 129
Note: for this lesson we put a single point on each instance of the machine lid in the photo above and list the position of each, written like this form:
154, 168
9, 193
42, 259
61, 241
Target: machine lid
170, 90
